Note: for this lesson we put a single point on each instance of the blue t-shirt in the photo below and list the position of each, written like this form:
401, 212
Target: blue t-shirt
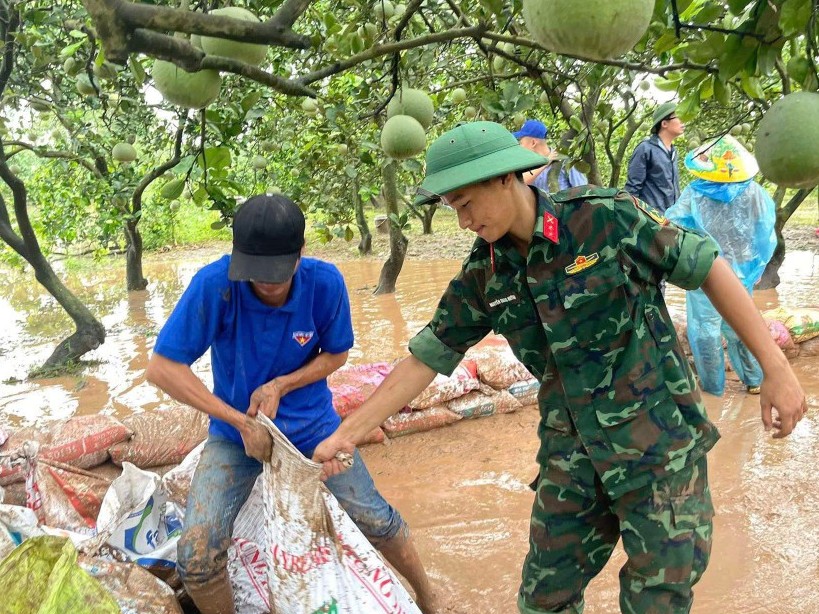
251, 343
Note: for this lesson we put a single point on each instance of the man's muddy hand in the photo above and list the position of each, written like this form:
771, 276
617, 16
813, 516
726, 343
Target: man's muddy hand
327, 453
783, 403
265, 399
257, 439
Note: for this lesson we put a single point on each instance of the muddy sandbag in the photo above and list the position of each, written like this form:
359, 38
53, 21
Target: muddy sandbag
782, 337
16, 525
803, 324
484, 402
66, 497
81, 441
176, 483
442, 389
525, 392
497, 365
809, 347
42, 576
404, 423
135, 590
352, 385
161, 437
14, 494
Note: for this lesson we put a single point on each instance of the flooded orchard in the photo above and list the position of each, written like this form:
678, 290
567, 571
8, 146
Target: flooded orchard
463, 488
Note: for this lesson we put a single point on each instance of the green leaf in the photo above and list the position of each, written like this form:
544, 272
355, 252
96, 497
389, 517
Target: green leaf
70, 50
752, 87
794, 16
721, 92
734, 57
689, 107
250, 100
766, 59
350, 171
218, 225
412, 165
136, 70
173, 189
738, 6
493, 6
666, 42
214, 157
200, 196
707, 88
77, 34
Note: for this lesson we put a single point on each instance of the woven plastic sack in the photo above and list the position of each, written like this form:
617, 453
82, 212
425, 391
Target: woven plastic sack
809, 347
484, 402
405, 423
442, 389
352, 385
42, 576
176, 483
16, 525
320, 561
803, 324
161, 437
525, 392
81, 441
497, 365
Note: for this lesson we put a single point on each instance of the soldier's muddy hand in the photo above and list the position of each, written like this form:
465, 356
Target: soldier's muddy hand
257, 440
331, 454
782, 401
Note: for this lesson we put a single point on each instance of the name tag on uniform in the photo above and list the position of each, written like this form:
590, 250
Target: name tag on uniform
581, 263
512, 298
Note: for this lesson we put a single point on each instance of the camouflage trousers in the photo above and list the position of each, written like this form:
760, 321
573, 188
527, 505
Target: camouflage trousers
666, 532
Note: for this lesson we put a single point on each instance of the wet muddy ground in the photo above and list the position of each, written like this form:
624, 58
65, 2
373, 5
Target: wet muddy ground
463, 488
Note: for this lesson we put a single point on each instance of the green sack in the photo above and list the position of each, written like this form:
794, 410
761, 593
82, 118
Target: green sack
41, 576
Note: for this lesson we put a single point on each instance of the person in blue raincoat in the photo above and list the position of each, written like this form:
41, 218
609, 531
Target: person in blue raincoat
725, 202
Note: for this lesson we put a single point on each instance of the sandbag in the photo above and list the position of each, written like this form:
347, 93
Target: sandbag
404, 423
135, 590
176, 483
70, 497
484, 402
161, 437
442, 389
352, 385
525, 392
16, 525
809, 347
497, 365
803, 324
81, 441
137, 518
319, 560
42, 576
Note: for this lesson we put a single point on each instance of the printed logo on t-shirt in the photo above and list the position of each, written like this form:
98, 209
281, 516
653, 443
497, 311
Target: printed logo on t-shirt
302, 337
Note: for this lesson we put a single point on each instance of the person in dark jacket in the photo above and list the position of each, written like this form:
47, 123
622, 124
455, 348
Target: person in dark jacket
652, 171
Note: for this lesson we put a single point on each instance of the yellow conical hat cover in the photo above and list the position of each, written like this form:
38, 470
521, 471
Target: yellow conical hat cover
722, 161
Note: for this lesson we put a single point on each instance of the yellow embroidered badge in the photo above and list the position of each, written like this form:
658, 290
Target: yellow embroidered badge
581, 263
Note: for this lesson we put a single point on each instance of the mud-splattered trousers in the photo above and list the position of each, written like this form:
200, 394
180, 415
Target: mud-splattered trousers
222, 483
622, 421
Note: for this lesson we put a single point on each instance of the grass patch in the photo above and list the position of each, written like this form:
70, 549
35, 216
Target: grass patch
70, 368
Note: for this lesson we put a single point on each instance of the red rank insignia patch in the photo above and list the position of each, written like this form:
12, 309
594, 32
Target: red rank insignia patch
302, 337
550, 227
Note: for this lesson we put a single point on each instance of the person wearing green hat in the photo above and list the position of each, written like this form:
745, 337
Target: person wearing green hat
571, 280
652, 170
725, 202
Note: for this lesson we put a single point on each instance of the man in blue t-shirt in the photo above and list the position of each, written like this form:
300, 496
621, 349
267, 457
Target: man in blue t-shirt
277, 325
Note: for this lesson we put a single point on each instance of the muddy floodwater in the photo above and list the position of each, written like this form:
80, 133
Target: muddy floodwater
461, 488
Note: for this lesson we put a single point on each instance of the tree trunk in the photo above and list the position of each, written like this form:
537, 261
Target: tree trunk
426, 217
365, 245
133, 257
770, 277
89, 333
398, 242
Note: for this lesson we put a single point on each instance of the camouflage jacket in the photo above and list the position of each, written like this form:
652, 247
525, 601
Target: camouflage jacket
585, 315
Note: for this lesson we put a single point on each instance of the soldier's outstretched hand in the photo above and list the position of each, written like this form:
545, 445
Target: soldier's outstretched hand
782, 401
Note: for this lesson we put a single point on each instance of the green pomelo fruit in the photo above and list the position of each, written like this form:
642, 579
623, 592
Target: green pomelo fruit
124, 152
85, 85
40, 105
196, 41
736, 130
508, 48
343, 149
594, 29
787, 141
310, 106
414, 103
259, 163
498, 63
194, 90
71, 67
518, 119
746, 128
470, 112
383, 9
131, 139
458, 95
544, 98
645, 86
106, 70
372, 30
249, 53
403, 137
268, 145
173, 189
174, 206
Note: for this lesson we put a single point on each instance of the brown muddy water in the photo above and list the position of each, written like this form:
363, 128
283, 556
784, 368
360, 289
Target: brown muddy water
462, 488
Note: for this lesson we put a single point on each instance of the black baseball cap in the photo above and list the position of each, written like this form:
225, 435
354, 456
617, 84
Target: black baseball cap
268, 234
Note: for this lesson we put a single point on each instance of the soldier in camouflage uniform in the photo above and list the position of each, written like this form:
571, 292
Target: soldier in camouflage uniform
571, 280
